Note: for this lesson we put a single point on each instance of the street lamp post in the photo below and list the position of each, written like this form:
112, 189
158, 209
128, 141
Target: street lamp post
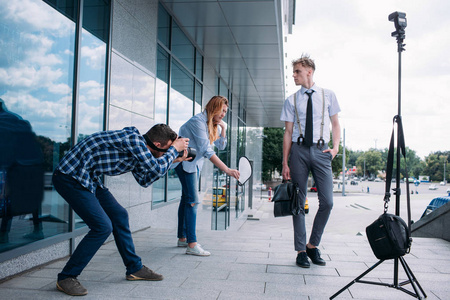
343, 165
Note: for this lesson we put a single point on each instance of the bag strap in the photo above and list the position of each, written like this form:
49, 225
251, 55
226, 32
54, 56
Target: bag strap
390, 163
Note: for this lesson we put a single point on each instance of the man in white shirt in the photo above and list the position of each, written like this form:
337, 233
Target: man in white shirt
305, 149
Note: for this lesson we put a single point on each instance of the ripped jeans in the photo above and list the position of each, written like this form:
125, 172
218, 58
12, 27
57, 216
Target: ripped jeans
187, 211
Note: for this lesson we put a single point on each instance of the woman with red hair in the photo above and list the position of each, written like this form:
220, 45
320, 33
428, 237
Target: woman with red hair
203, 130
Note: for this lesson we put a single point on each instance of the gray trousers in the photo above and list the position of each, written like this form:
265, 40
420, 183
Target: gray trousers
304, 159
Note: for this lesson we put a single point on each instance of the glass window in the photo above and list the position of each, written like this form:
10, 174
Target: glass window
36, 87
180, 111
96, 18
178, 93
91, 90
92, 85
198, 97
162, 80
163, 26
162, 71
182, 47
182, 81
198, 65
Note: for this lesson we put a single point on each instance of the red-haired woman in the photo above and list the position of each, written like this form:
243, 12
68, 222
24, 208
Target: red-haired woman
203, 130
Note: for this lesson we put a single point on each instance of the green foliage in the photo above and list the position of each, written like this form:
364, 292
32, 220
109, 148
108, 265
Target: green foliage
373, 162
52, 151
434, 165
272, 152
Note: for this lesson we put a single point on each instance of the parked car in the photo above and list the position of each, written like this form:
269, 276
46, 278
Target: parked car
432, 187
217, 198
434, 204
313, 189
442, 183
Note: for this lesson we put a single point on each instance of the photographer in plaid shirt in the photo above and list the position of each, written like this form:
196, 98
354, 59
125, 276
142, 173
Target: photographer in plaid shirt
77, 180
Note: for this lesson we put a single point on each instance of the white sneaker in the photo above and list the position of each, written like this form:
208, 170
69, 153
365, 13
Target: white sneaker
182, 244
197, 250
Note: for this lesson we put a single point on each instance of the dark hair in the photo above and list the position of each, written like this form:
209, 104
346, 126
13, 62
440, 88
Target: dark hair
161, 133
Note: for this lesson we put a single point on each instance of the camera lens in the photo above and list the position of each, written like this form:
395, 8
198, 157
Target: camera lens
191, 153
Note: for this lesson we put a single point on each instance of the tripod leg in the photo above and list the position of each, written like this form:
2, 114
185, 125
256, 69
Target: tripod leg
356, 279
412, 278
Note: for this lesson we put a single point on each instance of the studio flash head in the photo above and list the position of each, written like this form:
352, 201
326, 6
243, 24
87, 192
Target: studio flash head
399, 19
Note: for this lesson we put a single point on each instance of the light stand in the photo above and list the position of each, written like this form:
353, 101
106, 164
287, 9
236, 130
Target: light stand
399, 20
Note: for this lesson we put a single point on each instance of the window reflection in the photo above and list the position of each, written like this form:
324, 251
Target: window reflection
163, 26
198, 98
182, 47
159, 186
92, 87
181, 65
36, 84
198, 65
180, 112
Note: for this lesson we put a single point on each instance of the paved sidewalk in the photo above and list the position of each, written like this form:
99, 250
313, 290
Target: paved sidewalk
254, 259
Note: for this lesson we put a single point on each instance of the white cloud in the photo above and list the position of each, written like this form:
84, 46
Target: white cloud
29, 77
60, 88
94, 56
24, 14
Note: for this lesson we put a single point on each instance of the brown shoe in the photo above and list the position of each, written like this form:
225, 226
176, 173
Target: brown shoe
145, 274
71, 286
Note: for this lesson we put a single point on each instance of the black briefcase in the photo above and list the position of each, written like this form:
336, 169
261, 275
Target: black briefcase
286, 200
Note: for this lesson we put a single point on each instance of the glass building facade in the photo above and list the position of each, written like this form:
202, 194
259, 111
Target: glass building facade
71, 68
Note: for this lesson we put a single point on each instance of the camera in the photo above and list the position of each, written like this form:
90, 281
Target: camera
191, 153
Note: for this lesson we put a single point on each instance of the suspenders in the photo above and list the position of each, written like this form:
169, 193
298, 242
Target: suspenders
301, 139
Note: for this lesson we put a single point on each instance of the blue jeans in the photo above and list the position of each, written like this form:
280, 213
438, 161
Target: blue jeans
102, 214
187, 211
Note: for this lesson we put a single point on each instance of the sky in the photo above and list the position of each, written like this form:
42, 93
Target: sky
357, 58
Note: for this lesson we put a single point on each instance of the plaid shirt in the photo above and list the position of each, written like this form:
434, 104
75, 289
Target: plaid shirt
114, 153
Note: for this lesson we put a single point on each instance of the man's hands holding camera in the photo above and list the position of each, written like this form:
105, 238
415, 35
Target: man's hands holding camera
185, 152
181, 145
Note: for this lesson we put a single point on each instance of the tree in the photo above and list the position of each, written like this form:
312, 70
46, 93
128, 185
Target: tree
272, 152
434, 165
373, 161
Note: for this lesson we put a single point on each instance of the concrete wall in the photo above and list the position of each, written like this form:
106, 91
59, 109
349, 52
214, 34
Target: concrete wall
435, 225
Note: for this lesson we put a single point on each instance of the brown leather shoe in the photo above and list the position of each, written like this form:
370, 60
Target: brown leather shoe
145, 274
71, 286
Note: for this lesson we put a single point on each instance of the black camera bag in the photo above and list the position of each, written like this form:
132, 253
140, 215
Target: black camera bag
388, 237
